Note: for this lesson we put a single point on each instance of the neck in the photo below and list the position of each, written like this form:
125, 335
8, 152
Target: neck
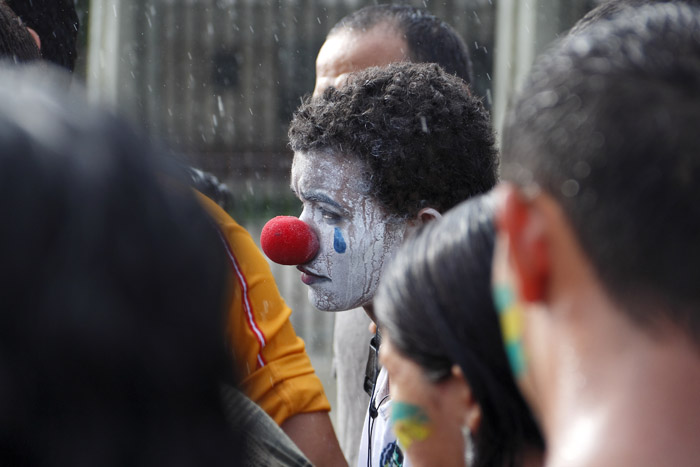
369, 309
620, 395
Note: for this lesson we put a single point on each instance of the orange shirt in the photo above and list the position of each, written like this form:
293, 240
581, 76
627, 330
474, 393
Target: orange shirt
276, 370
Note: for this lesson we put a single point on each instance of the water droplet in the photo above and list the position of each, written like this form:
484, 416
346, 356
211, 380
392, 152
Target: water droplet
220, 103
582, 170
570, 188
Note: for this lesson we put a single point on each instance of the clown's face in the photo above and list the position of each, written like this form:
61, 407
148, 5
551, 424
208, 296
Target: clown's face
357, 236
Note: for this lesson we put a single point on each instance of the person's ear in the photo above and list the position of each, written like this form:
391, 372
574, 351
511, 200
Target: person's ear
426, 215
528, 248
471, 408
35, 36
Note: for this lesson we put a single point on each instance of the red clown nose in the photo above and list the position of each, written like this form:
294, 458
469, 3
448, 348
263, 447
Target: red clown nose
287, 240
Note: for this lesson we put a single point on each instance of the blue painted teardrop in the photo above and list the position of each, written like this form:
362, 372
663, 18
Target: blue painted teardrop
338, 241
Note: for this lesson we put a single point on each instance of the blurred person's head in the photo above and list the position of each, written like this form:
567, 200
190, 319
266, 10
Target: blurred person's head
56, 23
443, 351
211, 187
113, 292
600, 215
16, 42
388, 151
378, 35
608, 9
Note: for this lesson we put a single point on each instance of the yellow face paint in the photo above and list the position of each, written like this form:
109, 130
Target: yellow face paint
410, 423
511, 319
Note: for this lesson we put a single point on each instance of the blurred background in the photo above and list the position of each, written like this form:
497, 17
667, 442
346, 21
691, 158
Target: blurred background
218, 80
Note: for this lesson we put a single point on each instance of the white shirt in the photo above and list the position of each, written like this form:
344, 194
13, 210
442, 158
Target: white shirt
385, 449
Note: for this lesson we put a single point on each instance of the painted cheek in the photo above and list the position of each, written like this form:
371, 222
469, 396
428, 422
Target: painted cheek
410, 423
510, 317
339, 244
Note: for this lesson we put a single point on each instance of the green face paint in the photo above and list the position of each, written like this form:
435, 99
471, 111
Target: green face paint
410, 423
510, 316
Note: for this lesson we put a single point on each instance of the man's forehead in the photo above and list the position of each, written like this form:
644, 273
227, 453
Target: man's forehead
329, 170
325, 163
350, 50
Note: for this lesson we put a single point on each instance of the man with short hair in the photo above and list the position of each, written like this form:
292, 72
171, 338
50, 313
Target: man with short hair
373, 160
596, 264
381, 34
376, 35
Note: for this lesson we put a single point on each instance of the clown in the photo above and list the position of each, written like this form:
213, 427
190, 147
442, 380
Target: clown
391, 150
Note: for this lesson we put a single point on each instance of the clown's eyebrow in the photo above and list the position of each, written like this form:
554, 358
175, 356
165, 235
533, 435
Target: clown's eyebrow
317, 197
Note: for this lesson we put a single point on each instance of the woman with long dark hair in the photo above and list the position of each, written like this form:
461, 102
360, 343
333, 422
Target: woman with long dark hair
454, 399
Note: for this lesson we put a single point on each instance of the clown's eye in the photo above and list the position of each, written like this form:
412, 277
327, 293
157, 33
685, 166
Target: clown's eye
330, 217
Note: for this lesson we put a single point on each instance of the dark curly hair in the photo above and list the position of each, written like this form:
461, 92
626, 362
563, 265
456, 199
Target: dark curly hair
57, 24
16, 44
425, 141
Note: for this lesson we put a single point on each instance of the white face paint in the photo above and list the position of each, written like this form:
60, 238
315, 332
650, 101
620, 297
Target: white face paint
357, 236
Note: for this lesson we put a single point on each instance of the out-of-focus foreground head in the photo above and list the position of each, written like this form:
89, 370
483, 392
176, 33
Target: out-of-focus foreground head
111, 345
56, 22
435, 309
610, 8
605, 131
381, 34
16, 43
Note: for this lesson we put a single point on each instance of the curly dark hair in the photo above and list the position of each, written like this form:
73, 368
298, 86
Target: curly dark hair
425, 141
16, 44
57, 24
